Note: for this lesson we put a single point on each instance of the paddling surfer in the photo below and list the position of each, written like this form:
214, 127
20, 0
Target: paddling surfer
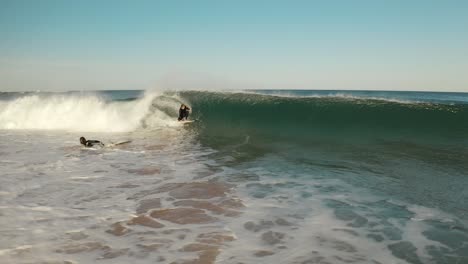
90, 143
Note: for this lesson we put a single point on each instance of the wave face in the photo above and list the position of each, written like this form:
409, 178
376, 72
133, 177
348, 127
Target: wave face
333, 117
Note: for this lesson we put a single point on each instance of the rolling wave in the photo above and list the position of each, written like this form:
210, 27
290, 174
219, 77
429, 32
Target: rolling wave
234, 114
302, 118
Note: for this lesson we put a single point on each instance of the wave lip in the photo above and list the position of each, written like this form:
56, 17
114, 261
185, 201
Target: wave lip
407, 97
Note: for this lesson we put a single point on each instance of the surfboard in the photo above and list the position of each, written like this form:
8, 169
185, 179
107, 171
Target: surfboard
186, 121
118, 143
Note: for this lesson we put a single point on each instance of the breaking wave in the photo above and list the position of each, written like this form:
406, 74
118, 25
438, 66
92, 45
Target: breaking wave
89, 112
221, 114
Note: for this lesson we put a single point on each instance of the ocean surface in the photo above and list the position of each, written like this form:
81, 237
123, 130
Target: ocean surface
269, 176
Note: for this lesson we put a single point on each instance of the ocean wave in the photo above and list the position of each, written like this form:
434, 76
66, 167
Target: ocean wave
303, 118
239, 113
75, 112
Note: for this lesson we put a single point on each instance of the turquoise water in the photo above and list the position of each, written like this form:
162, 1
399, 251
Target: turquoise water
411, 149
323, 176
406, 146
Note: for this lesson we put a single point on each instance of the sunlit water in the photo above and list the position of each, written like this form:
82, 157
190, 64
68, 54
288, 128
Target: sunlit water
174, 195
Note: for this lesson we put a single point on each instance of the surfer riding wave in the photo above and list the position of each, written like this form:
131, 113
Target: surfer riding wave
183, 112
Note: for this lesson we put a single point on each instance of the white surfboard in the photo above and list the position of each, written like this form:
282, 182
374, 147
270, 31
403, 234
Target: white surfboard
118, 143
186, 121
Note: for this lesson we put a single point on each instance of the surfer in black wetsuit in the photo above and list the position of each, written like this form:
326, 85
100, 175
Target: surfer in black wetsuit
90, 143
183, 112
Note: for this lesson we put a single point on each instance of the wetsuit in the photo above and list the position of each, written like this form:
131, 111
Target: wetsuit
90, 143
183, 113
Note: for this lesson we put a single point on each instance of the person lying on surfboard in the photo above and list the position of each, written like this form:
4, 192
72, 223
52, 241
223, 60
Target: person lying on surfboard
90, 143
183, 112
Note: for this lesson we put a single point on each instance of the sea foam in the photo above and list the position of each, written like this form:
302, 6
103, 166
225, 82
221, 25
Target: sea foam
69, 112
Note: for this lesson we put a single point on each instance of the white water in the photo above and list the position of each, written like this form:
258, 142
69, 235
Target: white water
90, 113
58, 201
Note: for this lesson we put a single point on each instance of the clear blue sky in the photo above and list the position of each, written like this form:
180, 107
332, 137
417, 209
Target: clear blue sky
348, 44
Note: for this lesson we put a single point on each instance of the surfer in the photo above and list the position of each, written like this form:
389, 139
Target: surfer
90, 143
183, 112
